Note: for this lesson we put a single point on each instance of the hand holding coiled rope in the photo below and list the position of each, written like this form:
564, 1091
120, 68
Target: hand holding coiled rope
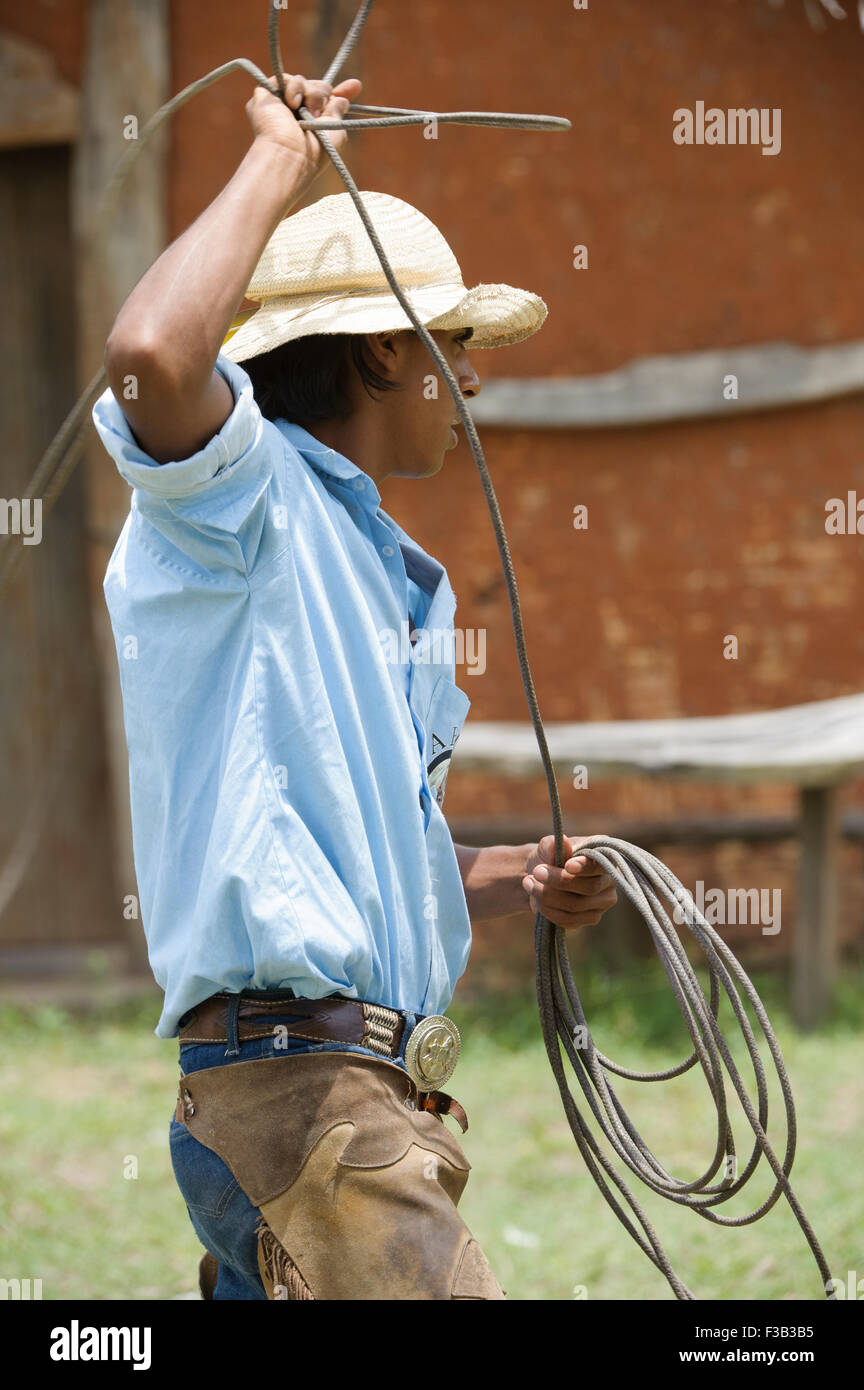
654, 890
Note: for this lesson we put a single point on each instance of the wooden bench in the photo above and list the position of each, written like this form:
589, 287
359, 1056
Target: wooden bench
815, 746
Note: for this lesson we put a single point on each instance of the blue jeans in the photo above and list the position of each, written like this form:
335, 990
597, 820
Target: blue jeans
222, 1215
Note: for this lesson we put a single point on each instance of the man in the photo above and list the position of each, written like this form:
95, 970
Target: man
307, 913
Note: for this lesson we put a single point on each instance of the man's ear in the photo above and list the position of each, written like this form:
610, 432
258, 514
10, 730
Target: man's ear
384, 348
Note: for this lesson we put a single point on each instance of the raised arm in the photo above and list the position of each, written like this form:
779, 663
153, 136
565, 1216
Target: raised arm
169, 332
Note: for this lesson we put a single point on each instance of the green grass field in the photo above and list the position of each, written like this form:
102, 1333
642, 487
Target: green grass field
87, 1101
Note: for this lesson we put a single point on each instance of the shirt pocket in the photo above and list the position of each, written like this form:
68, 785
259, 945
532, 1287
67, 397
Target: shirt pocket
448, 708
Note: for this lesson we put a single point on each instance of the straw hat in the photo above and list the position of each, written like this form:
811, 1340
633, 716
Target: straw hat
319, 274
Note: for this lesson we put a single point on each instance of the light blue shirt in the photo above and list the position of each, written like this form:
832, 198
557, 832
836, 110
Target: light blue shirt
288, 746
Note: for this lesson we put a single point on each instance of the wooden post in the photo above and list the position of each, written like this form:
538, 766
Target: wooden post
126, 76
814, 956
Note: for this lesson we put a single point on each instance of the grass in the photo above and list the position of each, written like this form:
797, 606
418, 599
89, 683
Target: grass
87, 1101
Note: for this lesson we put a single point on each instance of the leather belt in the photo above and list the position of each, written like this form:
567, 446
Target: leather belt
430, 1058
318, 1020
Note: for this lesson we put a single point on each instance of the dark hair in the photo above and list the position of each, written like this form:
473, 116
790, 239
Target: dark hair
307, 378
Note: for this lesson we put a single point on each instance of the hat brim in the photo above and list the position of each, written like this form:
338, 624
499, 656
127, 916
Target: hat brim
499, 315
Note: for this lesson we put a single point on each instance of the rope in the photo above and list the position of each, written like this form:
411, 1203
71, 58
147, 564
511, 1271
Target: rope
642, 877
646, 881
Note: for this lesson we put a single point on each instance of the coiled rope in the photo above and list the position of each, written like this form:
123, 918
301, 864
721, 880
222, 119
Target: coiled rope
644, 879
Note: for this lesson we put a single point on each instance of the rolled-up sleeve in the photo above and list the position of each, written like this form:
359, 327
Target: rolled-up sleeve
238, 441
212, 506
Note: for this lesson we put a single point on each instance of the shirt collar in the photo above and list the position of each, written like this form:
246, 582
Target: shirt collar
326, 460
426, 571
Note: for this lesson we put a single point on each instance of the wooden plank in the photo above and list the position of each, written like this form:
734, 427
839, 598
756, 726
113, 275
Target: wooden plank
815, 949
677, 386
812, 745
518, 828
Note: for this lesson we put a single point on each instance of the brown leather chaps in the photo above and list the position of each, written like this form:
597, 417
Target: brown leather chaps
357, 1187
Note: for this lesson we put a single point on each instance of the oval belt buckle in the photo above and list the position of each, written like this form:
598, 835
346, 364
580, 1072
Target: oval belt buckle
432, 1052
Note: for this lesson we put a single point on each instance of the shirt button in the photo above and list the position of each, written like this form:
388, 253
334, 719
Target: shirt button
386, 550
359, 484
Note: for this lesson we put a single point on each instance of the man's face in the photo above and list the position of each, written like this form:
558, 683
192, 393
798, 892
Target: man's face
422, 414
